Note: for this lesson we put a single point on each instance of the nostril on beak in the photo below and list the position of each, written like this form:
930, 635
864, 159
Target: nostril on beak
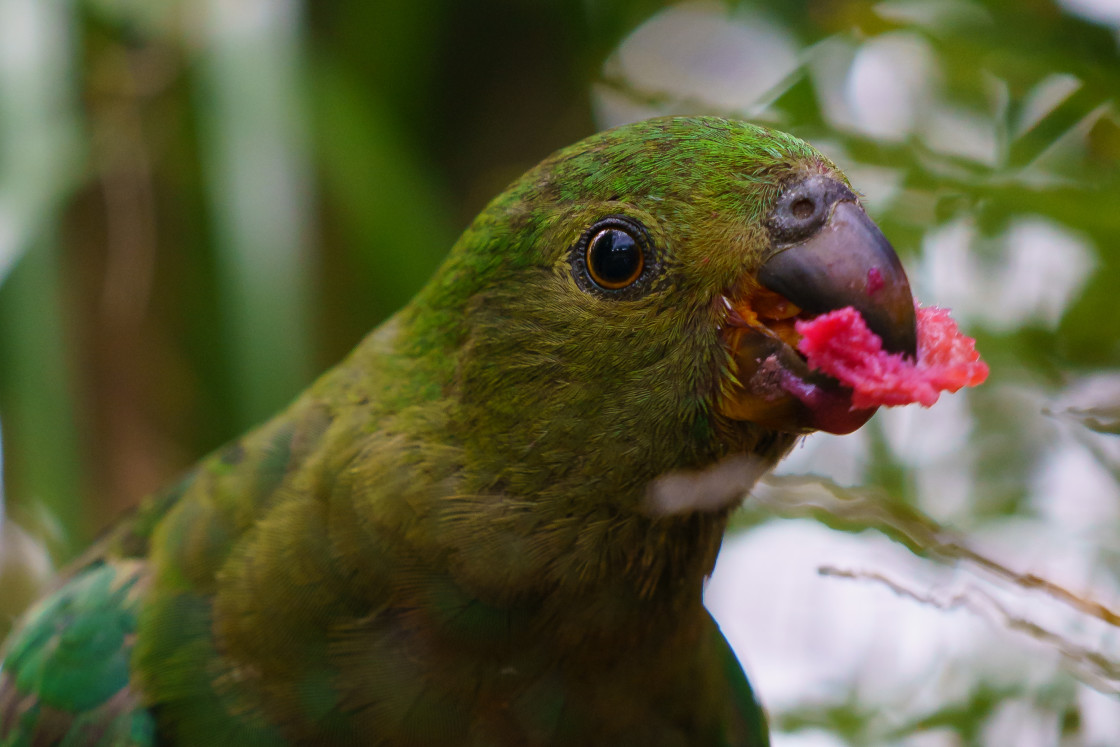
803, 208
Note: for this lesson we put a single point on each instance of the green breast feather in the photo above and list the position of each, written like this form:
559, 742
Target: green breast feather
492, 523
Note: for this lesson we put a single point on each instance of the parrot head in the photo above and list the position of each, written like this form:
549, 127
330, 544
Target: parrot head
627, 307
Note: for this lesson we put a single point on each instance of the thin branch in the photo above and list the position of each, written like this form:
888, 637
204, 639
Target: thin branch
1097, 670
918, 532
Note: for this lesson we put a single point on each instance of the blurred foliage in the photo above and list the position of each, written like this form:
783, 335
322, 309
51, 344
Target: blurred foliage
203, 203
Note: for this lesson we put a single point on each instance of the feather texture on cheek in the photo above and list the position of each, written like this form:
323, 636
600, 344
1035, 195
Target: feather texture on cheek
559, 386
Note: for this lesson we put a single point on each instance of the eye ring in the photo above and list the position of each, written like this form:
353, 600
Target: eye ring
614, 256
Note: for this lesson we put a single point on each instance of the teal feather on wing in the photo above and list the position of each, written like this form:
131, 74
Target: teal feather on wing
65, 678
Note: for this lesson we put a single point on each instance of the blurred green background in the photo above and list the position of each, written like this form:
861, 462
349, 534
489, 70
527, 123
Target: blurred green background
203, 203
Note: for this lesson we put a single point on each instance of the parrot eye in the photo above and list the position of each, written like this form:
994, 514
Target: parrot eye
614, 254
614, 258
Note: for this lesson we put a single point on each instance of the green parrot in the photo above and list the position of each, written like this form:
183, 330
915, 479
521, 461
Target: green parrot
492, 523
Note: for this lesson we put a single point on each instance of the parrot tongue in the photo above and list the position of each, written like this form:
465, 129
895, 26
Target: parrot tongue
774, 386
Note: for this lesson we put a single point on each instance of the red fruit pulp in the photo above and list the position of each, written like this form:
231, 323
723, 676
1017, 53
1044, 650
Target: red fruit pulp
840, 344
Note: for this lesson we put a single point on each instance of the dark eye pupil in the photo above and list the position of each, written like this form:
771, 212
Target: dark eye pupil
614, 258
